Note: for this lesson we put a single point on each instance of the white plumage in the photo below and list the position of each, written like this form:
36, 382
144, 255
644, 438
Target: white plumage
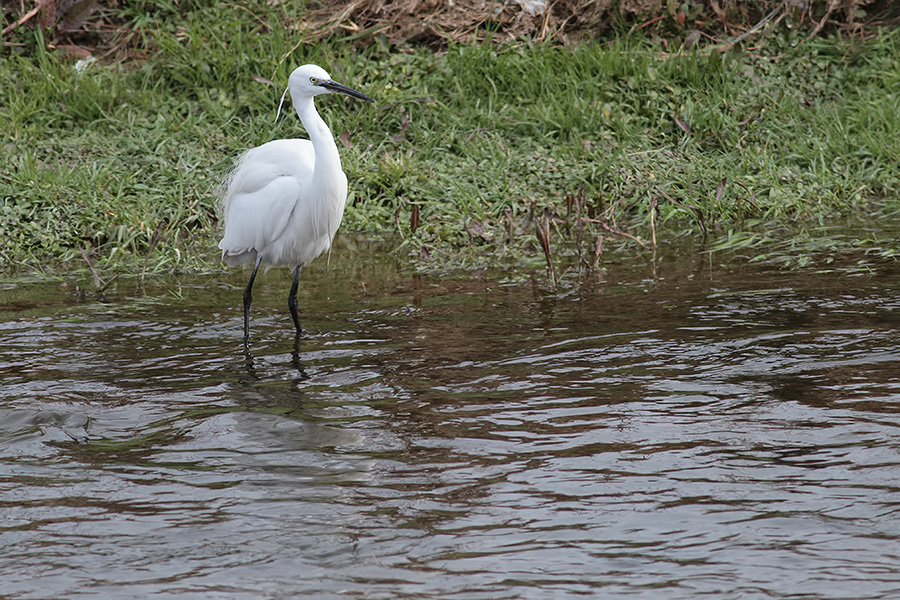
284, 200
273, 211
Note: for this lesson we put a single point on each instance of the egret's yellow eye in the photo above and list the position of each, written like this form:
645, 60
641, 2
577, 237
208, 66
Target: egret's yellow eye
314, 81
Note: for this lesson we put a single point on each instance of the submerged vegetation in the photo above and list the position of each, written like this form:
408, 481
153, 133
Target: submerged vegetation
503, 154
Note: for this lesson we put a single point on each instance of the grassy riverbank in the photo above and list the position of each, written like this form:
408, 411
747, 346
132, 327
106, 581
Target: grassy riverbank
467, 152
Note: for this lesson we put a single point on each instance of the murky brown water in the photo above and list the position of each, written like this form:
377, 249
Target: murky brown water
730, 432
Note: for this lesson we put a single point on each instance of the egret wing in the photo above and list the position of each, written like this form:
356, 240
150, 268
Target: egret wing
258, 218
261, 193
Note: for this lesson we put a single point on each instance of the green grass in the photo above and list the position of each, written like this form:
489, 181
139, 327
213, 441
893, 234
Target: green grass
122, 161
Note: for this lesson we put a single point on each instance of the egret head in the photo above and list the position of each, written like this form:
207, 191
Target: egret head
312, 80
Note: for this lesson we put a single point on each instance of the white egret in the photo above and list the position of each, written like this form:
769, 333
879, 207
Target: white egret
284, 200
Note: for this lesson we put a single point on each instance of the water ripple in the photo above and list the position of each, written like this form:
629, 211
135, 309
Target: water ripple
456, 439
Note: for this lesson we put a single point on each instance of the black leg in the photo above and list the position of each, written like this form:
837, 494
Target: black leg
295, 358
292, 299
248, 298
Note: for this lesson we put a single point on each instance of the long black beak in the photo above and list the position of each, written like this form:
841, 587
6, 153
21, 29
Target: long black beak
339, 88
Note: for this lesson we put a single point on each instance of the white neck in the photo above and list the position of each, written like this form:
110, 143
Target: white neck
327, 156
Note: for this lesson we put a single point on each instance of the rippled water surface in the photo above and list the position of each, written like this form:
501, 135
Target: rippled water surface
702, 430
